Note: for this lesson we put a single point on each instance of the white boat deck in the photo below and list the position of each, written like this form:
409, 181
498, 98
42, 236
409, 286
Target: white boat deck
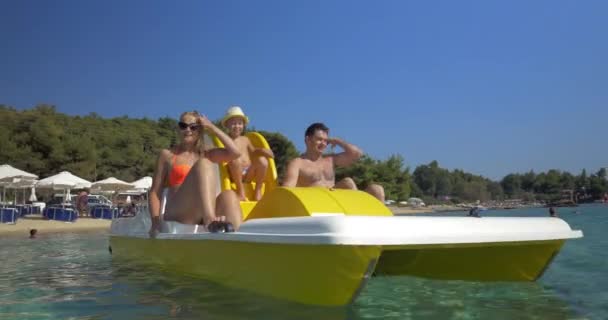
365, 230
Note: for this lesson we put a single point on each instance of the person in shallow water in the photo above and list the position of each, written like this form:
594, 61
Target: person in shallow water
474, 212
552, 212
186, 170
33, 233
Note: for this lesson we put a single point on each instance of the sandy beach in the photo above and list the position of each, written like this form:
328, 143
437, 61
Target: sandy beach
24, 225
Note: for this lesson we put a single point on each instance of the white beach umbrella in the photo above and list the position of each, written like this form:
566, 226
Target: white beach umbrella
8, 171
63, 180
144, 183
111, 183
19, 183
8, 174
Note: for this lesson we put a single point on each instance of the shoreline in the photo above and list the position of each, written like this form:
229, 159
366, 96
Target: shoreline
430, 209
86, 224
23, 226
409, 210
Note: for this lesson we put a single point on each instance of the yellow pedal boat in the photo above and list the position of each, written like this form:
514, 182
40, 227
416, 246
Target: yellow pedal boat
319, 246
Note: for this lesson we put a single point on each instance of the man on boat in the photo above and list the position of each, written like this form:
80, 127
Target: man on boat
313, 169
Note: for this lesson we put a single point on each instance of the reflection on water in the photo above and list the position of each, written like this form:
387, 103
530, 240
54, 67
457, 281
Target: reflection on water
72, 276
412, 298
190, 298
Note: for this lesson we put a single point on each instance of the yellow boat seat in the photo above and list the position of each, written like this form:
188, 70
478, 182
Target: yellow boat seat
270, 181
317, 201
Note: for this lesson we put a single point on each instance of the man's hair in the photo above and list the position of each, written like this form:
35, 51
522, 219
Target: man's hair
310, 131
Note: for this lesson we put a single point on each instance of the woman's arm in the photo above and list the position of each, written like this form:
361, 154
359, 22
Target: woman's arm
155, 193
262, 152
229, 152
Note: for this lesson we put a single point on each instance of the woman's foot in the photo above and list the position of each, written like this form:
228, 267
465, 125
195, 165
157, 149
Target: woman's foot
220, 226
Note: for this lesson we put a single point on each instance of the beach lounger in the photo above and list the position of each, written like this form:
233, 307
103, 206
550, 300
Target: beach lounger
104, 212
9, 215
61, 214
96, 212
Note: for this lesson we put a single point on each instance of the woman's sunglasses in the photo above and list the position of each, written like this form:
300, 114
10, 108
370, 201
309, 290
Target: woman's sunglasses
192, 126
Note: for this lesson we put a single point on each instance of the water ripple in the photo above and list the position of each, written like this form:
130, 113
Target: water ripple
72, 276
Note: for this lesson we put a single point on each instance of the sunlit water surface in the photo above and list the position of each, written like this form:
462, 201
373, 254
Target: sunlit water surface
72, 276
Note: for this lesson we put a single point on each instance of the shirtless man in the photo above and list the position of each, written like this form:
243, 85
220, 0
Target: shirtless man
313, 169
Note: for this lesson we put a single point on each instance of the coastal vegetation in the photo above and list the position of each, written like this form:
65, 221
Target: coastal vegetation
44, 141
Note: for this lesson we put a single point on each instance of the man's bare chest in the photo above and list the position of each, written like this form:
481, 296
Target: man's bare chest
318, 171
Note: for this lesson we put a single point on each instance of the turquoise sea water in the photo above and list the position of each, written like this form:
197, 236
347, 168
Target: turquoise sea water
72, 276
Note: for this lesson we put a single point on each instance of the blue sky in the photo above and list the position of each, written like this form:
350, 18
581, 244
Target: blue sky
485, 86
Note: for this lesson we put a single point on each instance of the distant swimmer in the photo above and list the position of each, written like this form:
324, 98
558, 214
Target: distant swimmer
552, 212
474, 212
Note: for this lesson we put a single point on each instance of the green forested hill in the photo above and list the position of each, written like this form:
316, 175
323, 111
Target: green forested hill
43, 141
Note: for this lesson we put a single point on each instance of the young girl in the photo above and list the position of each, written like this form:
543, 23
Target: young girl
252, 164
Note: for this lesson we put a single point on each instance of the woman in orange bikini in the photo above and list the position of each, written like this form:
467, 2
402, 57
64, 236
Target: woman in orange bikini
186, 171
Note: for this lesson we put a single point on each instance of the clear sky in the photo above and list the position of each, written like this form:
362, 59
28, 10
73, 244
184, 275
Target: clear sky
491, 87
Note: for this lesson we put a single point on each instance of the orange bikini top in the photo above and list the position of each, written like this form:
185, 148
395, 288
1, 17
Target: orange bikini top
178, 173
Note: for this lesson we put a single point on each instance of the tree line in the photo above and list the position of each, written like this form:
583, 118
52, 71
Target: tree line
43, 141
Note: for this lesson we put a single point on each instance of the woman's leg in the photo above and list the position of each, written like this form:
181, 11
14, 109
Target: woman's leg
228, 205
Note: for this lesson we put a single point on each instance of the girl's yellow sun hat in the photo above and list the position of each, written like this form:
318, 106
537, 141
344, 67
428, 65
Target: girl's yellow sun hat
234, 111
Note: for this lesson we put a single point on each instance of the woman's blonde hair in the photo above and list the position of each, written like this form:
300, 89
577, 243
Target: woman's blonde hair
201, 143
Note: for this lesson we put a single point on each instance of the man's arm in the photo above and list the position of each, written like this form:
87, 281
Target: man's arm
292, 173
351, 152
